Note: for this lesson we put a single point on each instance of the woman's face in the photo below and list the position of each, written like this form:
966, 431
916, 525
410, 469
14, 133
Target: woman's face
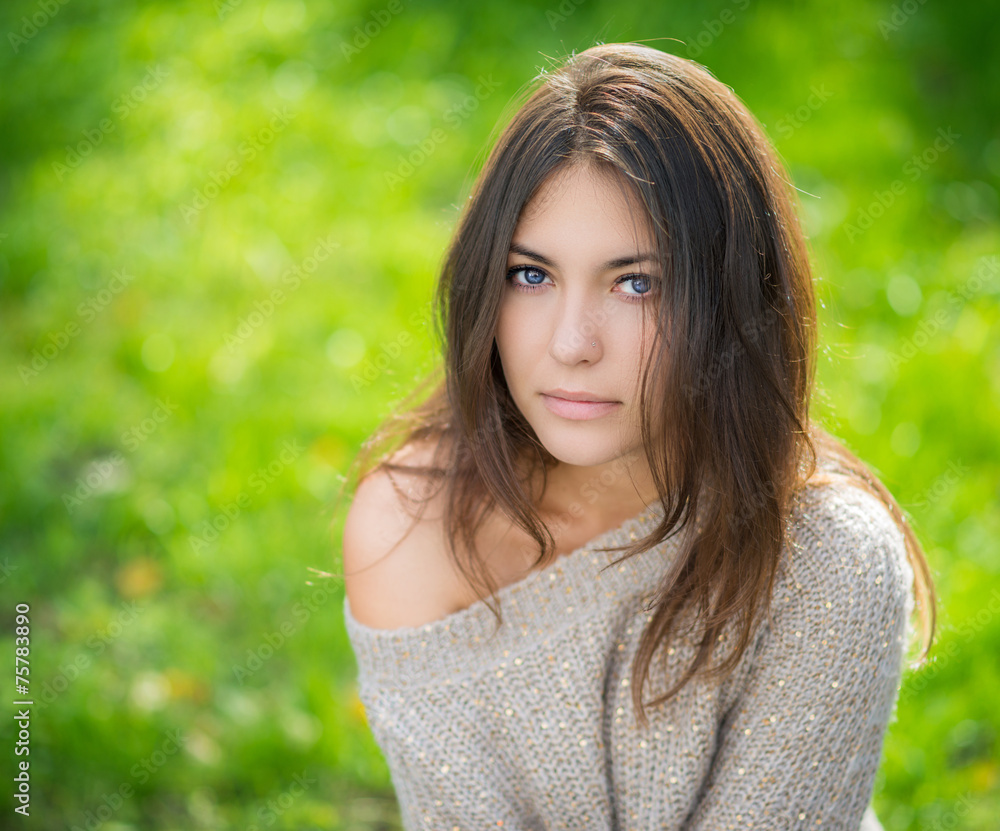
580, 281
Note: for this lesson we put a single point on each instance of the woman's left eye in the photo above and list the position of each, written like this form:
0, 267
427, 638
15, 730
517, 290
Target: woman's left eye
641, 282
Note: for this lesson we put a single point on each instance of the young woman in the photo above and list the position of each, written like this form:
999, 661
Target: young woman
612, 576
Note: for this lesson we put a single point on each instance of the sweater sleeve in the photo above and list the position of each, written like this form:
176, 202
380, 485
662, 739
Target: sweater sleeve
801, 744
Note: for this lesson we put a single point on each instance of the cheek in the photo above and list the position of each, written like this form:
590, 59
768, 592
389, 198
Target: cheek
630, 355
513, 332
506, 338
502, 334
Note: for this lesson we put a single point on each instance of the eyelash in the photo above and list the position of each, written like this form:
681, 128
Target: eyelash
632, 298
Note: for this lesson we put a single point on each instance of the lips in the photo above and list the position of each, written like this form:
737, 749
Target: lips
590, 397
581, 408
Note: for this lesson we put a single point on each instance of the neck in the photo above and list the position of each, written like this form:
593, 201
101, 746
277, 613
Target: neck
607, 494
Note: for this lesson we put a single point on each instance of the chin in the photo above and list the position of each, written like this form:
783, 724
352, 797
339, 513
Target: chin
581, 443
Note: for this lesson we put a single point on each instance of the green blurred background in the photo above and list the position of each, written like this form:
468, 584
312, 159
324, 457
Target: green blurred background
174, 432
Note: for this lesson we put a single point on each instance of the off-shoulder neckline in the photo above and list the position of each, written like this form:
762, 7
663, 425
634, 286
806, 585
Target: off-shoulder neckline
479, 609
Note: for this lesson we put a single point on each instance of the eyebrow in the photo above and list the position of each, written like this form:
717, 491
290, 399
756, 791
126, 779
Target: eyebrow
618, 262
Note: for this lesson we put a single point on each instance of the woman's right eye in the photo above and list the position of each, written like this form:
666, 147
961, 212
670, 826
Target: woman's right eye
531, 274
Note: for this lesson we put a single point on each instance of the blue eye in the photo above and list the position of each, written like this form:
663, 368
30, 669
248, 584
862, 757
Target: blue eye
641, 279
535, 272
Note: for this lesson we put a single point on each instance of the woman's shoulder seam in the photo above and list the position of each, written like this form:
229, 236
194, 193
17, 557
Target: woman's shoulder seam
844, 507
843, 534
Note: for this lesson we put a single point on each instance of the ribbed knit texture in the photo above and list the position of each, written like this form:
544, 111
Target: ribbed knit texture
534, 728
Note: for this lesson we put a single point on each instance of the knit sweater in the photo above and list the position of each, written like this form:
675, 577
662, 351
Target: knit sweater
534, 728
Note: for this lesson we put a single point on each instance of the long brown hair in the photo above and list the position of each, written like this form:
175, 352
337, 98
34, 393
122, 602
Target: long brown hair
732, 445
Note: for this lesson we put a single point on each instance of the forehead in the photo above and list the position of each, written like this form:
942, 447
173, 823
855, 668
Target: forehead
589, 197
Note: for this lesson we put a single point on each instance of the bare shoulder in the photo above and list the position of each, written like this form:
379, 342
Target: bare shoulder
395, 568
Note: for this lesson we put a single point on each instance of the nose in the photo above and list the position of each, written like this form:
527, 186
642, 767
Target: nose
576, 334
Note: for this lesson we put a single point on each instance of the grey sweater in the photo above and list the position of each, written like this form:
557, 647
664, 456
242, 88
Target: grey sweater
534, 728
